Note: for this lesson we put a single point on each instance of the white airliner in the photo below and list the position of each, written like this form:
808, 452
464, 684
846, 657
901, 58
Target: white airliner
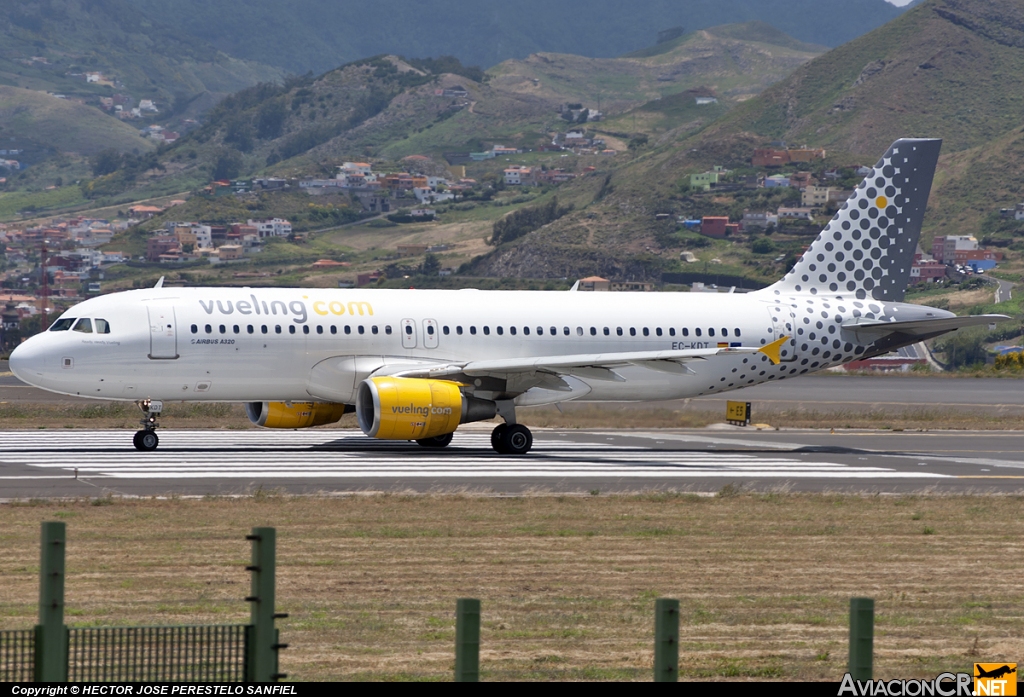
414, 364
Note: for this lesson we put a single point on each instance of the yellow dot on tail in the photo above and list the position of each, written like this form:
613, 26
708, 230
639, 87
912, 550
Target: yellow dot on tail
881, 202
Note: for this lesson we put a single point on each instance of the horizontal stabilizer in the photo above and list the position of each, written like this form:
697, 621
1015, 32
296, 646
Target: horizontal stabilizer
919, 327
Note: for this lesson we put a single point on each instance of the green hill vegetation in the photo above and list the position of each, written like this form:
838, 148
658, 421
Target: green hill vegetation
41, 120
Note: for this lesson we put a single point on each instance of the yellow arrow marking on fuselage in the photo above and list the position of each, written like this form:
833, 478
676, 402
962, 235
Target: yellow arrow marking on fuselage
773, 350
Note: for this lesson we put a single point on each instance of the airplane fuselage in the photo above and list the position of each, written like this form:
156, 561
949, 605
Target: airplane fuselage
245, 345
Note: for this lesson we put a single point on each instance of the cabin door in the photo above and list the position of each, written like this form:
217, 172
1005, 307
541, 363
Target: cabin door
163, 340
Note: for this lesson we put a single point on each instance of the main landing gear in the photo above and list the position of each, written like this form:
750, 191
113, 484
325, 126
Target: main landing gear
510, 438
146, 439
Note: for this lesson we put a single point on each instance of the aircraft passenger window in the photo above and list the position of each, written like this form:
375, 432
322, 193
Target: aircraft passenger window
223, 329
84, 325
686, 332
102, 326
430, 330
500, 330
658, 331
512, 330
195, 329
319, 329
348, 329
236, 328
696, 332
334, 329
263, 329
671, 331
277, 328
458, 330
249, 329
554, 331
632, 331
387, 329
375, 330
647, 332
736, 331
607, 331
291, 328
443, 329
526, 331
565, 330
62, 325
472, 330
540, 331
209, 329
725, 332
362, 329
593, 331
487, 330
408, 329
618, 331
579, 331
711, 331
305, 329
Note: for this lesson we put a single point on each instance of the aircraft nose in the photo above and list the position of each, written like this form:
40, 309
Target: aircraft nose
26, 362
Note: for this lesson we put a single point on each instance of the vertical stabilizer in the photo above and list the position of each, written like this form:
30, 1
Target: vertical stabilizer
867, 249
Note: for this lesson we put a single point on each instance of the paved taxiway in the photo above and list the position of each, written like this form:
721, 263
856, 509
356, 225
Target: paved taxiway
42, 463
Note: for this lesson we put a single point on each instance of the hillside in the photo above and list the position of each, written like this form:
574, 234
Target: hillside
314, 35
736, 61
49, 45
42, 124
946, 68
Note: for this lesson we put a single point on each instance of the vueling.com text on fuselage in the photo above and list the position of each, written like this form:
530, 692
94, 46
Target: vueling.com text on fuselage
296, 309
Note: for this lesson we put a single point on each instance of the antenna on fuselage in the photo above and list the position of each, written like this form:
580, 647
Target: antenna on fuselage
575, 286
160, 283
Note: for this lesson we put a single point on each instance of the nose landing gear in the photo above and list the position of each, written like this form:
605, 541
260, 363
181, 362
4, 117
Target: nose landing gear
146, 439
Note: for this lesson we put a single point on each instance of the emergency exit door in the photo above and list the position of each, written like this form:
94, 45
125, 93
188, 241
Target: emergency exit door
163, 340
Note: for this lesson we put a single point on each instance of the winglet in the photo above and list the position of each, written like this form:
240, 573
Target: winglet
160, 283
773, 349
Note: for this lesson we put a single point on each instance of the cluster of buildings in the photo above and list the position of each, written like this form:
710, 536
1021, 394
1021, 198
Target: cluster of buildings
1016, 213
579, 143
10, 164
536, 176
963, 253
189, 241
375, 189
159, 133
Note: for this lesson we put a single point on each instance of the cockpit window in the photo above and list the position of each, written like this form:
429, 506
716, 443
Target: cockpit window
83, 325
62, 325
102, 326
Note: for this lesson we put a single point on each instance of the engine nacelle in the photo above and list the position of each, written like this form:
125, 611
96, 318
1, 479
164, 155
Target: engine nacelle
412, 408
294, 414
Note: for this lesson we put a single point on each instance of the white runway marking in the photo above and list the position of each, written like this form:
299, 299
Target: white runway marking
343, 455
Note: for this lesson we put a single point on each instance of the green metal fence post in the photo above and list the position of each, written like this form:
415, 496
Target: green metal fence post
51, 651
467, 640
262, 638
666, 640
862, 636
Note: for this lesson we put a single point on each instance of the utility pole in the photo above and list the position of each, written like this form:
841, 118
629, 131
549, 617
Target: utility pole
44, 322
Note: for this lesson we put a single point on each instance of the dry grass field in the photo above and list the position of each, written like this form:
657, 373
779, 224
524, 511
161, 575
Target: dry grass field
567, 583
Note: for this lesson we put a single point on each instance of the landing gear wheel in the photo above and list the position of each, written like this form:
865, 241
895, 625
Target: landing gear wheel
437, 441
145, 440
516, 440
496, 435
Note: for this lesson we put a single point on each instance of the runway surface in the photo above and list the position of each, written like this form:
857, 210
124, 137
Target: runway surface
44, 463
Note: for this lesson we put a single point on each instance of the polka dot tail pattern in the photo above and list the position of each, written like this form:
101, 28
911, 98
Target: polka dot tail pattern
867, 249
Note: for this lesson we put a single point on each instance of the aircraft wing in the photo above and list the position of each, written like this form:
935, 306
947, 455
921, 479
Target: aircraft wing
597, 366
919, 327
